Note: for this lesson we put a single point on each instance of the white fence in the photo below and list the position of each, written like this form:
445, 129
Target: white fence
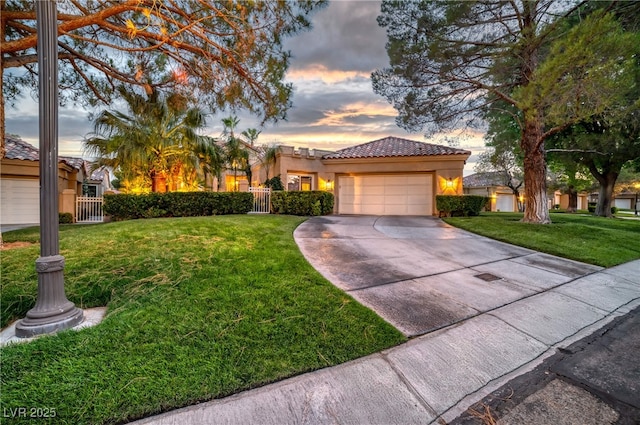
89, 209
261, 200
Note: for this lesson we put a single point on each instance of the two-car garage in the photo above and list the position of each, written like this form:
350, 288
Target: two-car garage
386, 194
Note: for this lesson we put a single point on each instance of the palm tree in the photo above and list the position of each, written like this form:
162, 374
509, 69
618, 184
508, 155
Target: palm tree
211, 158
156, 140
236, 152
269, 156
252, 135
237, 157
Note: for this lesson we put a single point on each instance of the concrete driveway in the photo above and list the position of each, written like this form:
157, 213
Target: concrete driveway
420, 274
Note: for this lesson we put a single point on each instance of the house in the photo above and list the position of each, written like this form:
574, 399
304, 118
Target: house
625, 200
389, 176
494, 184
562, 200
20, 182
97, 183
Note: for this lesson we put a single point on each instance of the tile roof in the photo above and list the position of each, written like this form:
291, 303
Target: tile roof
16, 148
99, 174
19, 149
394, 147
76, 163
490, 178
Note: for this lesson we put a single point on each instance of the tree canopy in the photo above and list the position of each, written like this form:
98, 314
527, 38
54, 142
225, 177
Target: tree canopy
451, 61
155, 145
223, 53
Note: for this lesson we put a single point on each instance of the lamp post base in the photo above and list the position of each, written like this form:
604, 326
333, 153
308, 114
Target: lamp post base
52, 312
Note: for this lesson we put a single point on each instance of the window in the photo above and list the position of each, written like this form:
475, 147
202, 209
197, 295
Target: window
299, 182
91, 190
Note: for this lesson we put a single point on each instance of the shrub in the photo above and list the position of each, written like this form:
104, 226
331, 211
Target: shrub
275, 183
466, 205
312, 203
591, 207
65, 218
177, 204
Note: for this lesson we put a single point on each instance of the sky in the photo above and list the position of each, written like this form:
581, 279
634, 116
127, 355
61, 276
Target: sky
334, 105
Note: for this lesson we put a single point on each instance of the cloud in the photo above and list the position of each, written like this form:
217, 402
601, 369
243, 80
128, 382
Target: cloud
345, 36
22, 120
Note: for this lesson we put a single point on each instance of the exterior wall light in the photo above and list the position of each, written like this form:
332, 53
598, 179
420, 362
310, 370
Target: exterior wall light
328, 185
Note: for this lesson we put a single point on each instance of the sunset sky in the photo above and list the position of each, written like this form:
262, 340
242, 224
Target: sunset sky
334, 105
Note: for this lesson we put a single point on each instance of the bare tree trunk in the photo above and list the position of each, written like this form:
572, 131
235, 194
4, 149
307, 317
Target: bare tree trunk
573, 200
536, 208
605, 197
607, 179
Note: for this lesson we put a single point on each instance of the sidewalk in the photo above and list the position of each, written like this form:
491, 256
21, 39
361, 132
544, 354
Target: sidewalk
594, 381
436, 377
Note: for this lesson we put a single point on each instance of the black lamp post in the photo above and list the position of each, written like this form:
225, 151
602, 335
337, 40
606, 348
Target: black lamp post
52, 312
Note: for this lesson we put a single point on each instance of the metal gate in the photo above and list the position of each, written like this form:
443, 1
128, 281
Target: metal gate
89, 209
261, 200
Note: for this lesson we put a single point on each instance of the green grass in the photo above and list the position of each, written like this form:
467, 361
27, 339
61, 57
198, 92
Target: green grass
198, 308
601, 241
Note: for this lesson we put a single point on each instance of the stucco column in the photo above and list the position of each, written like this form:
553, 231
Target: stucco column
68, 202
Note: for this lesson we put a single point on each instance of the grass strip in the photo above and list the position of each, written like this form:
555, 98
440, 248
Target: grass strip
198, 308
602, 241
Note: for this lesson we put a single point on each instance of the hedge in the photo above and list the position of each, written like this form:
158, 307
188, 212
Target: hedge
591, 207
307, 203
177, 204
466, 205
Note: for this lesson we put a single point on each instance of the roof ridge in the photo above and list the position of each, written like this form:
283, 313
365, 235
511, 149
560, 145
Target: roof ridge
392, 146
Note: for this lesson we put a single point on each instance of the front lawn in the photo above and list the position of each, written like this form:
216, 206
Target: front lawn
198, 308
601, 241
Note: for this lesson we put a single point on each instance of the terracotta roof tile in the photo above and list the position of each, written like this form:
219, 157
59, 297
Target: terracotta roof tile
19, 149
393, 147
16, 148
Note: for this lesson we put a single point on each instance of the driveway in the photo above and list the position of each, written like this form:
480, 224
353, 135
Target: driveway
420, 274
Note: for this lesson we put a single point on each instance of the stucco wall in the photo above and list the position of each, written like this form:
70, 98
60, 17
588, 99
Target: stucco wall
445, 169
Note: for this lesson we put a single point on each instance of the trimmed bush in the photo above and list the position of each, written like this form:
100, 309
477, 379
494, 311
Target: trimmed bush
65, 218
275, 183
591, 207
462, 205
307, 203
176, 204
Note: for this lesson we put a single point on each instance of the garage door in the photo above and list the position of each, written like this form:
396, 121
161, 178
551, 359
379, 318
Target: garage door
505, 203
623, 203
393, 194
19, 201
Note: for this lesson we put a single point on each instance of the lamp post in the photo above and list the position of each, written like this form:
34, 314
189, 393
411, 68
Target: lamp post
52, 312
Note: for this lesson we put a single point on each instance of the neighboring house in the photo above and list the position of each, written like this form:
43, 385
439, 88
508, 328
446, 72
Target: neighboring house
493, 185
562, 200
390, 176
625, 200
20, 182
98, 182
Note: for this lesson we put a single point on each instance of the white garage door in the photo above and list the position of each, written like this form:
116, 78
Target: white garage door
19, 201
623, 203
505, 203
393, 194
